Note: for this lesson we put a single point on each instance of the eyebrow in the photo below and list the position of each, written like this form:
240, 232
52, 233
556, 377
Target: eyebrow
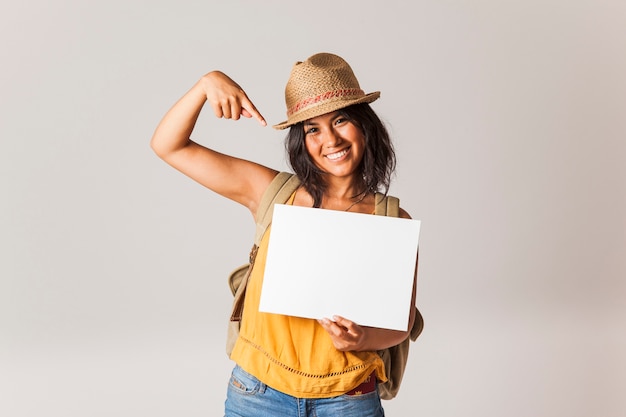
310, 123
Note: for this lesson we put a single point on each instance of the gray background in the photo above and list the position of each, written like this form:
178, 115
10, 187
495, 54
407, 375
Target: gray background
509, 121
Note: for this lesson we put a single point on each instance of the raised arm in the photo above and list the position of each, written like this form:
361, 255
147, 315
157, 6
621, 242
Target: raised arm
234, 178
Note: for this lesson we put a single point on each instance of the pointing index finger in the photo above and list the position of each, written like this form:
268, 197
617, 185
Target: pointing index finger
249, 110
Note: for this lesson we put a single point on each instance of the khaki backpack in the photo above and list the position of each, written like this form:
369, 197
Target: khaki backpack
279, 191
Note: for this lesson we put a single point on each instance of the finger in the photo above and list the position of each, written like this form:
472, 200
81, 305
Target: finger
252, 110
343, 322
217, 110
325, 323
235, 110
226, 111
331, 327
350, 327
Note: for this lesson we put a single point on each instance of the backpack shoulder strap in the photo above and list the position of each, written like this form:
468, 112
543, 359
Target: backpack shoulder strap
279, 191
390, 206
387, 205
395, 357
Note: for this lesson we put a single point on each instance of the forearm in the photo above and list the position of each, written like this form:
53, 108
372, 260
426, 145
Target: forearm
377, 338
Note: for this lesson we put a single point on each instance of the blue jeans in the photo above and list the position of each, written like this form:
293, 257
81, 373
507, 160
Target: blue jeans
249, 397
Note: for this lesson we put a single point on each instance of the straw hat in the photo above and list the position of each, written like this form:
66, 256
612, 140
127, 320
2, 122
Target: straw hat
321, 84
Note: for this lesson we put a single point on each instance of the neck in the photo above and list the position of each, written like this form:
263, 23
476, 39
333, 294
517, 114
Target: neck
344, 195
342, 188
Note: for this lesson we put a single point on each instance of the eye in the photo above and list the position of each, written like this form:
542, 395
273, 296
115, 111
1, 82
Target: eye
340, 120
310, 130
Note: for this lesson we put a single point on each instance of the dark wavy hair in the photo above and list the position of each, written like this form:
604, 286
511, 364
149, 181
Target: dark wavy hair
376, 167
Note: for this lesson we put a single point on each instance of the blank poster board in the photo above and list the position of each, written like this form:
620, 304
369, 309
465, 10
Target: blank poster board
322, 263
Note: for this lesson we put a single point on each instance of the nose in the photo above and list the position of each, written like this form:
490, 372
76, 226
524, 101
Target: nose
331, 138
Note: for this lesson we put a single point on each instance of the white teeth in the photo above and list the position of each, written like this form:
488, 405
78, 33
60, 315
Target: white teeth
337, 155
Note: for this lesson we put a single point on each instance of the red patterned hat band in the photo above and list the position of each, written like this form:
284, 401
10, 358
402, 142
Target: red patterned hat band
321, 84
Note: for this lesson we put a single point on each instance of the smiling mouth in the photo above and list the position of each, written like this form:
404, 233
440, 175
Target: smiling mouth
337, 155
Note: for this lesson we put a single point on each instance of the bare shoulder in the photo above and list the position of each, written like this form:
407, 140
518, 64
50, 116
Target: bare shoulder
404, 214
261, 179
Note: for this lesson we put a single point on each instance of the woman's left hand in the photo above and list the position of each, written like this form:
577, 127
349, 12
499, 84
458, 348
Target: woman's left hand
345, 334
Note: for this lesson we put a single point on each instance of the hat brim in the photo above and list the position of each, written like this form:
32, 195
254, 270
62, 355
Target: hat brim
325, 107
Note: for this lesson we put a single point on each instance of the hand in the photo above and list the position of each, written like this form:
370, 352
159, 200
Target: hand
345, 334
227, 98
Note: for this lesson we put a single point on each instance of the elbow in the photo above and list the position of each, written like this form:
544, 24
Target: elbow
158, 149
154, 146
165, 148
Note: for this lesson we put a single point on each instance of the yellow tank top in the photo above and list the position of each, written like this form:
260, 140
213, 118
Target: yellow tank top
295, 355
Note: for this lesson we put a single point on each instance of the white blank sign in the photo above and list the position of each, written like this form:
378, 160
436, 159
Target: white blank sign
322, 263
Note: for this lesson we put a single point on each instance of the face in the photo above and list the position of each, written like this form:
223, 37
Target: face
334, 143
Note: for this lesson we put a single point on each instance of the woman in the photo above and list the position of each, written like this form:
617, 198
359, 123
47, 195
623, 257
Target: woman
342, 154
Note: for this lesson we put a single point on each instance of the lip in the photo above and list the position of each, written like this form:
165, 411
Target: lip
338, 155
